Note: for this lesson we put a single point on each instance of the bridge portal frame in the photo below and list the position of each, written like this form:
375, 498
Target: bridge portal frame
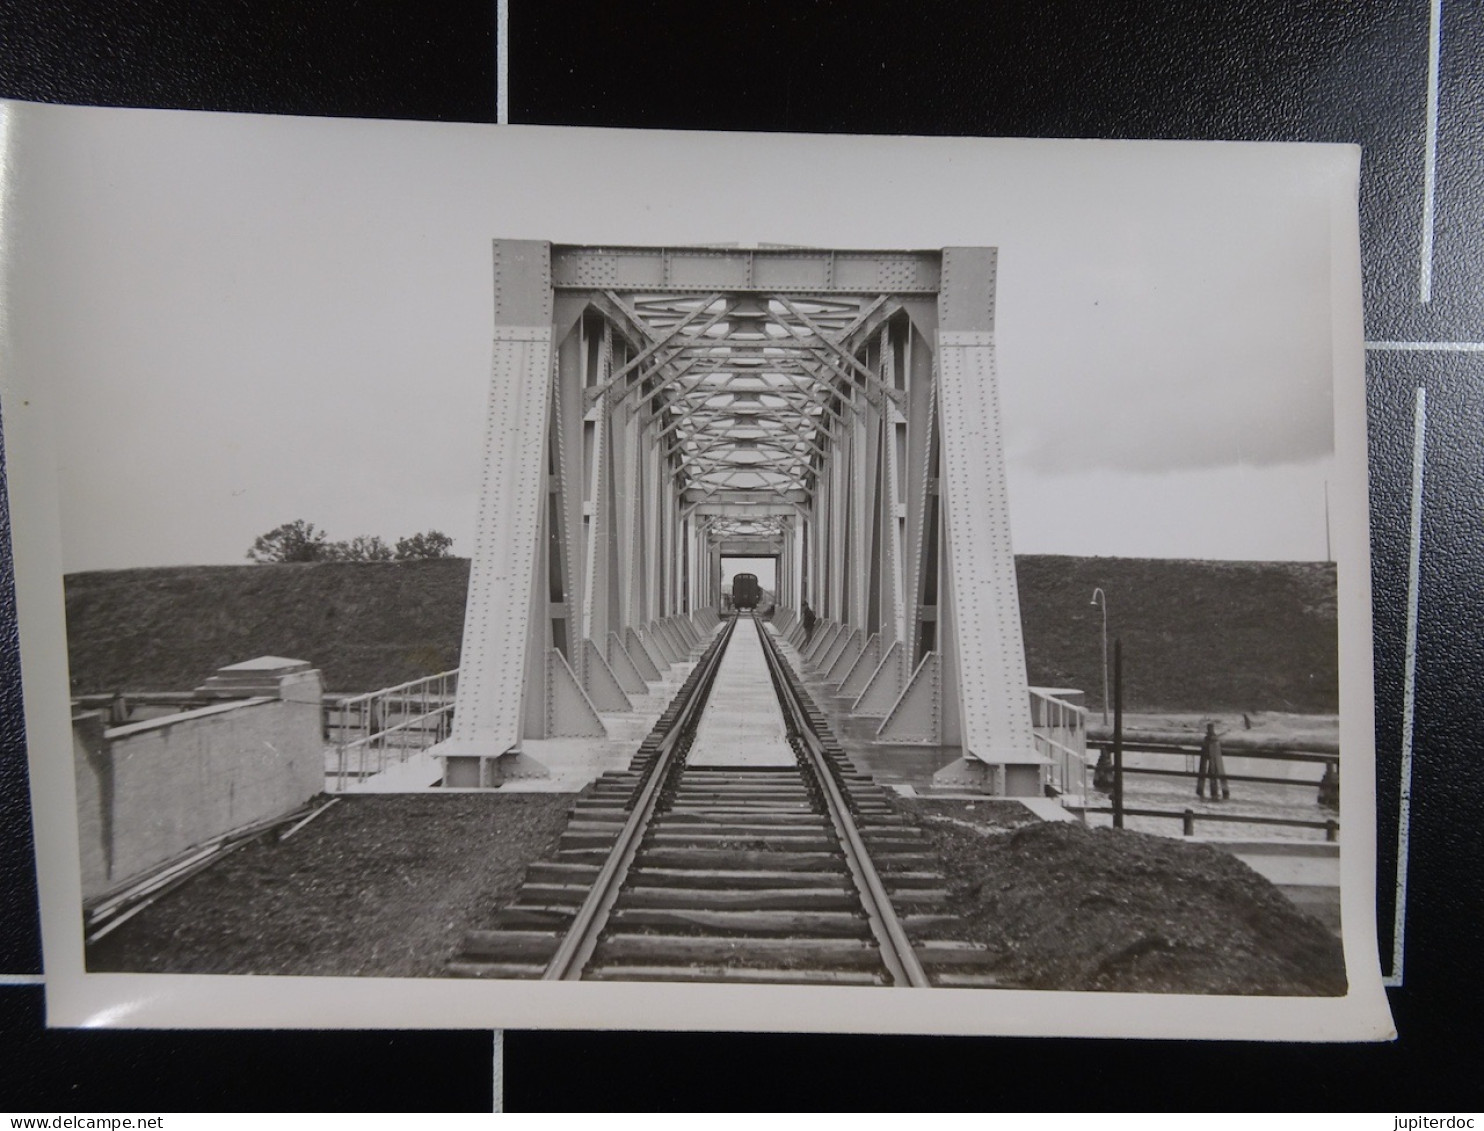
593, 562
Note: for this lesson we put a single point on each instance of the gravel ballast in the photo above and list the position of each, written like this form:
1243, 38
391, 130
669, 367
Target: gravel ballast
387, 885
382, 885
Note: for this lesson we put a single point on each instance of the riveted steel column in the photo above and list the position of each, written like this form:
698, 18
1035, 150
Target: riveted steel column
648, 563
671, 559
494, 674
626, 505
981, 635
690, 596
894, 521
784, 598
596, 509
565, 542
839, 516
921, 494
664, 546
862, 505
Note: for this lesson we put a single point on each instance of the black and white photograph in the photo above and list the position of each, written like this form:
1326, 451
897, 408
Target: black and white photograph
777, 582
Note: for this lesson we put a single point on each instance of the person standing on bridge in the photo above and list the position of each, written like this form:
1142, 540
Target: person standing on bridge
1213, 766
809, 622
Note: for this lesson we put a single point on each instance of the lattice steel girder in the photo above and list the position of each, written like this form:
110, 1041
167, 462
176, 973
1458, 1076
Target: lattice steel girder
615, 307
823, 342
745, 510
659, 343
750, 547
779, 412
699, 394
695, 495
804, 271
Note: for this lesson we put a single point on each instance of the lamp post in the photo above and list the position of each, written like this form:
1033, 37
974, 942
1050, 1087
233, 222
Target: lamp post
1101, 598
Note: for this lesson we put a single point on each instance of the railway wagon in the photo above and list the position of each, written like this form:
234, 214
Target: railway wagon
745, 591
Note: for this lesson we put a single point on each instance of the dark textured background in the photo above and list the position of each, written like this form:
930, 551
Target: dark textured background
1284, 70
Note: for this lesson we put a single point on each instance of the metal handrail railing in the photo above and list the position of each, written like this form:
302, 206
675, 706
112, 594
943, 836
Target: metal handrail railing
422, 707
1188, 818
1059, 732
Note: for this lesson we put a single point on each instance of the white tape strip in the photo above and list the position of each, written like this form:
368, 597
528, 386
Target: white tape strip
1428, 347
502, 62
498, 1084
1409, 693
1430, 159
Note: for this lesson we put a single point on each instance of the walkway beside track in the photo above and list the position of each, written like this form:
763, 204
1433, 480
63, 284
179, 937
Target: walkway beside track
742, 724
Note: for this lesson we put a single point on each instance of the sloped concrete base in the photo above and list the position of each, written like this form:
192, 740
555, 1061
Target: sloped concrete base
1047, 808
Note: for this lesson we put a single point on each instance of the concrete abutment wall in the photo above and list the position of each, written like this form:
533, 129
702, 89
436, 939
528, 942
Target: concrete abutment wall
151, 791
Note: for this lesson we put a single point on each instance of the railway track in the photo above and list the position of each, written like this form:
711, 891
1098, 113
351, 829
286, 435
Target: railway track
800, 873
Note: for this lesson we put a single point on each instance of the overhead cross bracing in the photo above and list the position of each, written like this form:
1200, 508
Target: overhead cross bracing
748, 390
746, 394
656, 409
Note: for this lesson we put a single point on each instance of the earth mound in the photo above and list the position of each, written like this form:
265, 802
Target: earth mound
1074, 908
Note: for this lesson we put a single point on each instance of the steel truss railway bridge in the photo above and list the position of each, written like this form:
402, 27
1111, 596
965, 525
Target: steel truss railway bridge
655, 410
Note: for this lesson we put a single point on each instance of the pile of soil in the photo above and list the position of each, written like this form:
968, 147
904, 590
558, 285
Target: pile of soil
1073, 908
383, 885
986, 815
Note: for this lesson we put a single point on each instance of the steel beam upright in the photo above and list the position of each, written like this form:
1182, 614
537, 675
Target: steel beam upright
626, 440
838, 502
497, 620
983, 649
861, 498
893, 524
597, 521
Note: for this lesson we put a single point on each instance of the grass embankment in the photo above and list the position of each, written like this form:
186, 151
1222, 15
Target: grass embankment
1199, 636
363, 624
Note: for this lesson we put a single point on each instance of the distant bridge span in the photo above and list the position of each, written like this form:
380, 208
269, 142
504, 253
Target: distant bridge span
652, 410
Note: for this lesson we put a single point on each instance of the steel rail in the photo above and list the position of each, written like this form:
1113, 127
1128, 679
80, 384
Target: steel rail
581, 939
896, 948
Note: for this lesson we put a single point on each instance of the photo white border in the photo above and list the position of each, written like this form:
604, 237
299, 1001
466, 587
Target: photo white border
76, 998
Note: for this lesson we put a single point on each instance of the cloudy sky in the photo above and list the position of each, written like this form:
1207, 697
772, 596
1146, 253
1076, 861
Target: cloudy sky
243, 320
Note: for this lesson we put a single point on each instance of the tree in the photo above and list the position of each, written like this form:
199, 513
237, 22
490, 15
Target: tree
433, 544
299, 541
361, 548
296, 541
